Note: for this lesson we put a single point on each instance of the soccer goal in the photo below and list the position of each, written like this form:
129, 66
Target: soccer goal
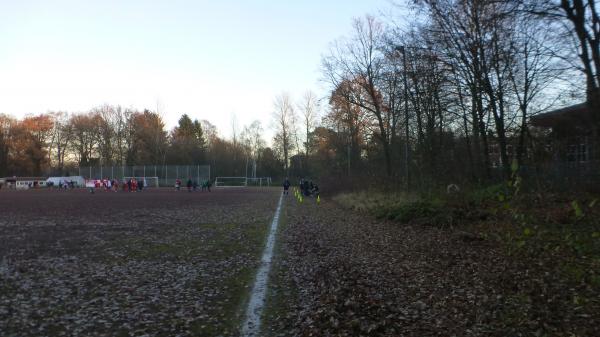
231, 182
260, 182
148, 181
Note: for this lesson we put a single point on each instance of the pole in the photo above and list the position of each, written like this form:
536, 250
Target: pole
406, 145
349, 147
246, 174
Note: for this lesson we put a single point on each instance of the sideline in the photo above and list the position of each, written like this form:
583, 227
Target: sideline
251, 327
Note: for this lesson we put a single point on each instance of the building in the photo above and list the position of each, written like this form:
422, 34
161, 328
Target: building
573, 156
23, 183
574, 134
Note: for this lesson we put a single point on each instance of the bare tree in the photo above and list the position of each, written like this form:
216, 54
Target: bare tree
253, 143
361, 60
85, 139
62, 134
308, 107
582, 24
534, 70
349, 121
283, 119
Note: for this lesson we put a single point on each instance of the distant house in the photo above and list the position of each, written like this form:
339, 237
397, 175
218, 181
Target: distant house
23, 183
575, 135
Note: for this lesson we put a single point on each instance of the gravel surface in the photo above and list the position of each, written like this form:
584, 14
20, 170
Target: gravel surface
155, 263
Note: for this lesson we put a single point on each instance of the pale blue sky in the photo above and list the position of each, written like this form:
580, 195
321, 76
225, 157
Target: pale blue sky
205, 58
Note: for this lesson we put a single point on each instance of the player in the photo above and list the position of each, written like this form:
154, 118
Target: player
91, 185
286, 186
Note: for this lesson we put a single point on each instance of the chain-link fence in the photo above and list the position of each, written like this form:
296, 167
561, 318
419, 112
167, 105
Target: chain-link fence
166, 174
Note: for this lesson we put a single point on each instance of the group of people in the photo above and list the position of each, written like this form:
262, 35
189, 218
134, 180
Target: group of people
307, 187
63, 184
192, 185
127, 185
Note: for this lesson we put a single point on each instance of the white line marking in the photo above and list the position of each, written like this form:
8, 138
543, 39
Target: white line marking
251, 327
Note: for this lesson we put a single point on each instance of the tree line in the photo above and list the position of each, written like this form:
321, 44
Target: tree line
58, 143
445, 93
441, 94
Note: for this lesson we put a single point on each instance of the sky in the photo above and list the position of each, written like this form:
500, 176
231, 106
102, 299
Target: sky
210, 59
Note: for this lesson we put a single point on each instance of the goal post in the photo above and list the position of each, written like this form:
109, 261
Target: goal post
242, 182
259, 181
231, 182
148, 181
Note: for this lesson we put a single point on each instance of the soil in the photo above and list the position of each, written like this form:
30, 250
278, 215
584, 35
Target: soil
151, 263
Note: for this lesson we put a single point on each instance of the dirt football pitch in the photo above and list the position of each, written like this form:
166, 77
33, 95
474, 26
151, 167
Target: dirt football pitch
155, 263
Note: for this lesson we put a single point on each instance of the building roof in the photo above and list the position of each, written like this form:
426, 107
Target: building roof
574, 114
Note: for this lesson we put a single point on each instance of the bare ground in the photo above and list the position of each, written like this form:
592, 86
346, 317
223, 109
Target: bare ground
155, 263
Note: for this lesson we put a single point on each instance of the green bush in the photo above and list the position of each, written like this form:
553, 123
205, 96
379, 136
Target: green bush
487, 194
406, 212
397, 207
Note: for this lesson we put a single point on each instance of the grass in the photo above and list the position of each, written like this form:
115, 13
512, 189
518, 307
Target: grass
552, 241
527, 225
404, 208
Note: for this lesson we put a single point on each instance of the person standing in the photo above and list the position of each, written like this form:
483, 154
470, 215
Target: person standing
91, 185
286, 186
189, 184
